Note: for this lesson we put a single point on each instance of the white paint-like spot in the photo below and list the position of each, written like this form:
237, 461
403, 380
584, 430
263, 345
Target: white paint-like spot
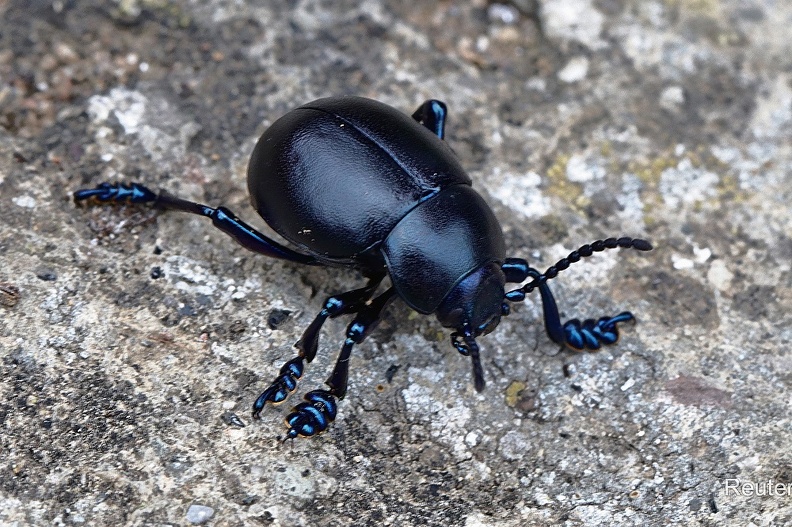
672, 98
629, 383
24, 201
477, 519
199, 514
536, 84
503, 13
160, 129
521, 193
573, 20
719, 275
473, 438
575, 70
680, 262
701, 255
685, 184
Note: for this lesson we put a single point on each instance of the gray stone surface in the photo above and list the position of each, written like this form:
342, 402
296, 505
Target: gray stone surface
121, 394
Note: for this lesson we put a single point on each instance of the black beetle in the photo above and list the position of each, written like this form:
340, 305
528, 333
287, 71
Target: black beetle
353, 182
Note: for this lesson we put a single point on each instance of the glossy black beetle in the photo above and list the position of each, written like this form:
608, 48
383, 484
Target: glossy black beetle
353, 182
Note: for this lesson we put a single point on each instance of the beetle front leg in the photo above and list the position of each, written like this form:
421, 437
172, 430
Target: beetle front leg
432, 114
588, 335
319, 409
286, 381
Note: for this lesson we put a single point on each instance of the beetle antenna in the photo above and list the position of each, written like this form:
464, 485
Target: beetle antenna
465, 343
478, 371
518, 295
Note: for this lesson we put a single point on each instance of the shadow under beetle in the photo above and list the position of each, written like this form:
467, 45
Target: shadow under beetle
355, 183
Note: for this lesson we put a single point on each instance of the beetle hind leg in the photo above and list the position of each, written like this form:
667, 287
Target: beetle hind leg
222, 218
319, 408
432, 115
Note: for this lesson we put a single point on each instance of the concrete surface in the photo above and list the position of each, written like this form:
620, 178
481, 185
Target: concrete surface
130, 338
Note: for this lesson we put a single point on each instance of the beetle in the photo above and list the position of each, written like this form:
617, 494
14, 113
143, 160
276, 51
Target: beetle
355, 183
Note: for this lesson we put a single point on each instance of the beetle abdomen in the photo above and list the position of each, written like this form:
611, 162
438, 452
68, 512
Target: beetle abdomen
336, 175
439, 243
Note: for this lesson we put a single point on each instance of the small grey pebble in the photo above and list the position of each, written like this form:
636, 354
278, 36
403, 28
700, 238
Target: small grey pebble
199, 514
46, 274
232, 419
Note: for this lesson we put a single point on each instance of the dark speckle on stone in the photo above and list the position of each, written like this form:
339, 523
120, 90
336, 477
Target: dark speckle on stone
391, 371
187, 311
156, 272
203, 300
276, 317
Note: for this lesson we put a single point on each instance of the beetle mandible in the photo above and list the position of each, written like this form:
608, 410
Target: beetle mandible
353, 182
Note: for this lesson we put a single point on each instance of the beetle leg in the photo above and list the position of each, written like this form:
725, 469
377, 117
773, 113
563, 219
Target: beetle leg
587, 335
432, 114
286, 381
221, 217
318, 410
334, 306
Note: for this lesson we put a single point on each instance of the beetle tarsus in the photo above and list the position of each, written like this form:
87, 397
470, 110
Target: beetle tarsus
590, 334
283, 385
118, 193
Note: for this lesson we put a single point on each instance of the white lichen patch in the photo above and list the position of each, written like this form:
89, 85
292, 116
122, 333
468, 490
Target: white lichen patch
160, 129
575, 70
521, 193
583, 169
575, 21
686, 184
630, 201
191, 277
447, 416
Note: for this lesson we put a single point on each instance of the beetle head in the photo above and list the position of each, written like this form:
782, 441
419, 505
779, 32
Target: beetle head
474, 307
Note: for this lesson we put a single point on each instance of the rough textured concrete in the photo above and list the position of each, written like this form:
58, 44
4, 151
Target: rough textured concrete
136, 336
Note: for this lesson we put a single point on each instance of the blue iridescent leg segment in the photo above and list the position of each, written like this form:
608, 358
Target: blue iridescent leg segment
286, 381
221, 217
432, 114
315, 414
587, 335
